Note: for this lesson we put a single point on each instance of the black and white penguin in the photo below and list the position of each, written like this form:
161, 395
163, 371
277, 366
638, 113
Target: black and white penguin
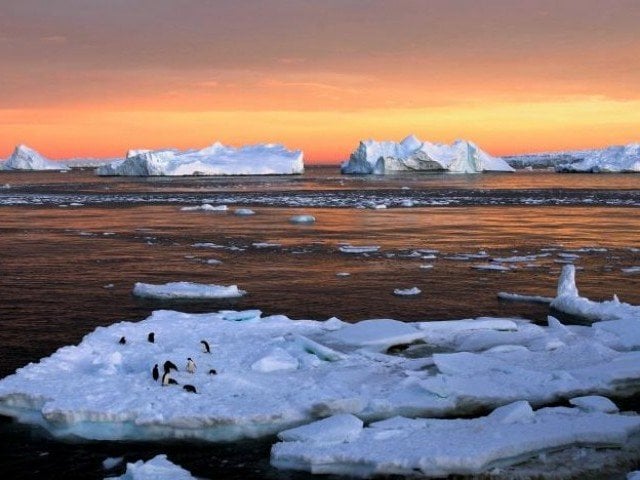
167, 380
168, 365
189, 388
151, 337
122, 341
213, 372
205, 346
155, 373
191, 366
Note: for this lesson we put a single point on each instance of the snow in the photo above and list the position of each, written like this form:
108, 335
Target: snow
438, 448
568, 300
25, 158
613, 159
217, 159
411, 154
407, 292
186, 290
158, 468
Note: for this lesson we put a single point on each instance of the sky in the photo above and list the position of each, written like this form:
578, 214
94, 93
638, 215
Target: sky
97, 77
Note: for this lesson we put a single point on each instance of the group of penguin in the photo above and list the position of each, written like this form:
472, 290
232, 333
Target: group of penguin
169, 365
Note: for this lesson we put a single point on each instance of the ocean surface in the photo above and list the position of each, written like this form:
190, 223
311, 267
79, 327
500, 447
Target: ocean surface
72, 245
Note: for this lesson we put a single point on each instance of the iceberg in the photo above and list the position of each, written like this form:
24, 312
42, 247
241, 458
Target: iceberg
25, 158
411, 154
218, 159
614, 159
429, 447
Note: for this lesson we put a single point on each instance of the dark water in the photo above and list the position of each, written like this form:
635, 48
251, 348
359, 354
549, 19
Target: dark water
65, 271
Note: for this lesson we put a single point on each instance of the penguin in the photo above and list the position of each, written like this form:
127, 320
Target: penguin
167, 380
122, 341
155, 373
205, 346
213, 372
191, 366
189, 388
151, 337
168, 365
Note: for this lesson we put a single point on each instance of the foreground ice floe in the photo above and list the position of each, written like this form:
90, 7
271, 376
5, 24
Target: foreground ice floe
437, 447
186, 290
25, 158
412, 154
158, 468
218, 159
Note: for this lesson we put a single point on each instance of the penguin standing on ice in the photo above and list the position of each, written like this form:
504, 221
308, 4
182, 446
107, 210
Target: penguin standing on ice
167, 380
191, 366
205, 346
168, 365
155, 373
151, 338
122, 340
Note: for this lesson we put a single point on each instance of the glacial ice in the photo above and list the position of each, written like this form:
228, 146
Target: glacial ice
217, 159
186, 290
412, 154
25, 158
613, 159
158, 468
438, 448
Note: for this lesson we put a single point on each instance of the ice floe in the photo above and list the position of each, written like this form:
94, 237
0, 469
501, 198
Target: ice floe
302, 219
25, 158
218, 159
491, 266
186, 290
407, 292
413, 155
359, 249
207, 207
437, 447
158, 468
515, 297
568, 300
244, 212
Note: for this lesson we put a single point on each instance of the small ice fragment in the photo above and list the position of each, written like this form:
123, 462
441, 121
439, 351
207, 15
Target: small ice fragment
302, 219
244, 212
406, 292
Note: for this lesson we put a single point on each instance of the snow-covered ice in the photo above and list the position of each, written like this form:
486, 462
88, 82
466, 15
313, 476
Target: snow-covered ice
412, 154
25, 158
437, 448
303, 219
158, 468
359, 249
206, 207
217, 159
515, 297
407, 292
186, 290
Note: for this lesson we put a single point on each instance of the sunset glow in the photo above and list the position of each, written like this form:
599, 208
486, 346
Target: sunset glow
97, 78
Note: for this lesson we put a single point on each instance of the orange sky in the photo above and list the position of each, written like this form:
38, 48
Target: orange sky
97, 78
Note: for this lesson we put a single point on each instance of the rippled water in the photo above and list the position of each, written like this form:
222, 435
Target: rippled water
67, 269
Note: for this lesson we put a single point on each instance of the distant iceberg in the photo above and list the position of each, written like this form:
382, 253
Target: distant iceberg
218, 159
25, 158
614, 159
411, 154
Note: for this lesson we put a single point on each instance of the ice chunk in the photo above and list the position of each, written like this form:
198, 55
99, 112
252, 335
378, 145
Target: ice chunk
515, 297
377, 334
594, 403
218, 159
244, 212
186, 290
491, 266
569, 301
336, 429
158, 468
407, 292
514, 412
439, 448
359, 249
277, 359
110, 462
303, 219
207, 207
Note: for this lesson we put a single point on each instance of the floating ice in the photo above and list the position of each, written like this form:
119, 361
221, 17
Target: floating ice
110, 462
594, 403
515, 297
266, 245
407, 292
158, 468
414, 155
359, 249
335, 429
439, 448
491, 266
569, 301
302, 219
244, 212
218, 159
25, 158
614, 159
186, 290
207, 207
631, 270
